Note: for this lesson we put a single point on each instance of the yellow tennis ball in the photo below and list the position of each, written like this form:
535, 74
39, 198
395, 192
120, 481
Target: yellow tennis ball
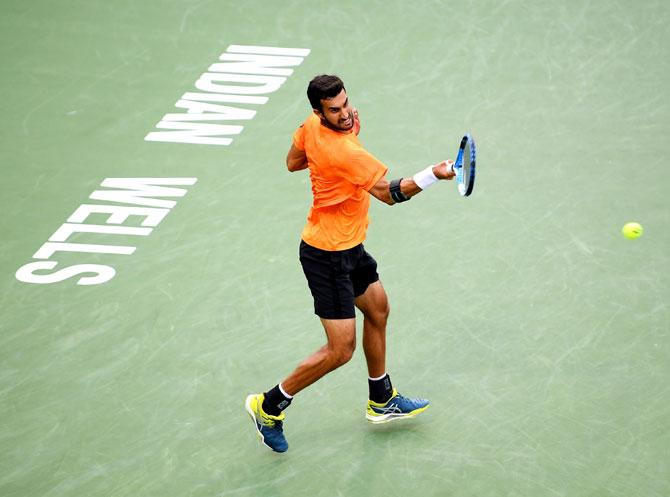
632, 230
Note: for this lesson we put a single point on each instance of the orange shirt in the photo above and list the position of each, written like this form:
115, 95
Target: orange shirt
342, 172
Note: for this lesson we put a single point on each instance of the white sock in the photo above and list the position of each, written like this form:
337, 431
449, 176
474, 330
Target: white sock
283, 392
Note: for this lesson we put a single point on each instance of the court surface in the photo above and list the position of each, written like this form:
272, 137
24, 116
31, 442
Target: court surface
539, 333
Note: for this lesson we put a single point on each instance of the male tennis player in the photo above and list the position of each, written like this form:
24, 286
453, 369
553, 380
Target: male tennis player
341, 275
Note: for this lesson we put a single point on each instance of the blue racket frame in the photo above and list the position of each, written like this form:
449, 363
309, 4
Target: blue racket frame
465, 185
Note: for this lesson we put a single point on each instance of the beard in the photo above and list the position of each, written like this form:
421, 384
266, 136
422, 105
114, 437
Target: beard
341, 124
347, 124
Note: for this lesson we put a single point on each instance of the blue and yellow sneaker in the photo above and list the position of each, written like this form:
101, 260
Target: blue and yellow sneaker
397, 407
270, 428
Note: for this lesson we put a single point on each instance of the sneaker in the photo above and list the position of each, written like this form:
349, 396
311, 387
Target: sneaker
397, 407
270, 428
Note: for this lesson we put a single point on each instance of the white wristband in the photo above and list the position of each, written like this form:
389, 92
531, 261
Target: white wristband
425, 178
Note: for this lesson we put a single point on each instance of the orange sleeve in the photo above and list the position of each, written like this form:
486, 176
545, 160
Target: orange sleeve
361, 168
299, 138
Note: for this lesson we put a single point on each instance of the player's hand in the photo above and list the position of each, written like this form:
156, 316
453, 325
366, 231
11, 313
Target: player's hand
444, 169
357, 122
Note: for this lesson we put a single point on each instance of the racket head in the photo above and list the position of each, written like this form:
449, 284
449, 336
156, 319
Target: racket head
465, 165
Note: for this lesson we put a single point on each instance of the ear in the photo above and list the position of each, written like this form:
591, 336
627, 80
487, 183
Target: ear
318, 113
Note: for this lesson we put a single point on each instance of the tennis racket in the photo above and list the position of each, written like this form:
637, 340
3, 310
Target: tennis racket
464, 167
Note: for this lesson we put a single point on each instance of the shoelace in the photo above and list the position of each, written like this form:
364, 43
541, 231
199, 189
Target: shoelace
413, 403
269, 422
394, 406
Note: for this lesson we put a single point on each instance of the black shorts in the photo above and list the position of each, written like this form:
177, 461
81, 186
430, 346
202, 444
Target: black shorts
336, 278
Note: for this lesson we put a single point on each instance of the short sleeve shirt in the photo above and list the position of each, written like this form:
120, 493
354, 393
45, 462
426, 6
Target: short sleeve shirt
341, 172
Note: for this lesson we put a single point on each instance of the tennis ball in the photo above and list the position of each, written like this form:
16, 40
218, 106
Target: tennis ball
632, 230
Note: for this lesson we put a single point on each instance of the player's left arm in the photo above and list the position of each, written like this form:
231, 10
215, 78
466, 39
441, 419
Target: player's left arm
408, 187
296, 159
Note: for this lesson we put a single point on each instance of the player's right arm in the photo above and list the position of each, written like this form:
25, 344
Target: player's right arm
296, 159
382, 191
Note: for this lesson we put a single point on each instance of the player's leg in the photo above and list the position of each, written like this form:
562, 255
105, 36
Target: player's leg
385, 403
341, 342
266, 409
327, 276
373, 303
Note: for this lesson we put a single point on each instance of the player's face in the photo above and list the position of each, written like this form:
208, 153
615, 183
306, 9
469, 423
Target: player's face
337, 113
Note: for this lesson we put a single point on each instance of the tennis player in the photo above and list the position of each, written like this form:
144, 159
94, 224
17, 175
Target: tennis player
341, 275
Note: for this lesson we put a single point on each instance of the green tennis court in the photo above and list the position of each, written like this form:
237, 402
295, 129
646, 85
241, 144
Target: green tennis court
538, 332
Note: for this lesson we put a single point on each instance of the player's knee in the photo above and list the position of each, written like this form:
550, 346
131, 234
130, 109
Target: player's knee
382, 308
347, 352
385, 310
379, 314
343, 353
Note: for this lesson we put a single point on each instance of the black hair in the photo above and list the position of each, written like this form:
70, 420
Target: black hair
323, 87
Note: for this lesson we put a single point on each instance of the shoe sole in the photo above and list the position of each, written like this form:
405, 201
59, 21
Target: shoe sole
387, 418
